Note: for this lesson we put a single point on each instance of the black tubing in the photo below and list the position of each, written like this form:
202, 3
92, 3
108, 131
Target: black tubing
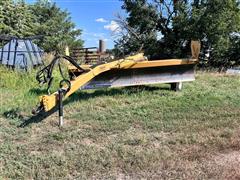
45, 75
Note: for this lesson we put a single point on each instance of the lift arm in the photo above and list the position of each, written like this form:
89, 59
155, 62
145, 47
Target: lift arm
50, 101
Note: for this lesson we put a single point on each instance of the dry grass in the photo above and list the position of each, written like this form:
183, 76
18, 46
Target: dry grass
127, 133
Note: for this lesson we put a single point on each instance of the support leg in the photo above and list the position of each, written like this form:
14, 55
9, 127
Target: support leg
60, 96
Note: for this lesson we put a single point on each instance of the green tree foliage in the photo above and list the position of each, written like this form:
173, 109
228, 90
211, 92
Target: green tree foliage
142, 19
222, 20
169, 25
6, 16
15, 18
55, 25
41, 18
154, 22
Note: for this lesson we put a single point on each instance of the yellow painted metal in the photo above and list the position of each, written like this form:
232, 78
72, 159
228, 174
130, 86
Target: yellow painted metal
67, 52
145, 64
159, 63
137, 61
195, 48
72, 68
50, 101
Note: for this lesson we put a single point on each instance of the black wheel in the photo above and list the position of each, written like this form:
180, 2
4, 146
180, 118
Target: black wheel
176, 86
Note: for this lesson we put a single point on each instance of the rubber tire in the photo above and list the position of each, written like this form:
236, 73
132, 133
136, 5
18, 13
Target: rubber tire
176, 86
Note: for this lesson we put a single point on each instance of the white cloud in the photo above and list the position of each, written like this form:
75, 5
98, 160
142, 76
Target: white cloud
91, 39
106, 39
113, 26
98, 35
102, 20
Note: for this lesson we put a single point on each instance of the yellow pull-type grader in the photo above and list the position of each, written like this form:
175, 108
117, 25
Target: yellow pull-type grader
130, 71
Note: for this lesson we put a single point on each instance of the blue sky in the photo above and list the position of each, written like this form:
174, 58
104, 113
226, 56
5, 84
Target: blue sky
94, 17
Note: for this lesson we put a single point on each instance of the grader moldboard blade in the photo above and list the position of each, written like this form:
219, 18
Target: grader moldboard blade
133, 70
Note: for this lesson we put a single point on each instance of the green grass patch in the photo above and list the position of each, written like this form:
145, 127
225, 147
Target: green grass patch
133, 132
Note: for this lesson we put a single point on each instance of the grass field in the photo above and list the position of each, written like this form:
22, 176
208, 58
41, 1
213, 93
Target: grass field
124, 133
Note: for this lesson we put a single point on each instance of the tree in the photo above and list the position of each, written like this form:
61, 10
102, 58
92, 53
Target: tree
25, 20
221, 19
41, 18
55, 25
170, 25
154, 21
15, 18
6, 14
142, 19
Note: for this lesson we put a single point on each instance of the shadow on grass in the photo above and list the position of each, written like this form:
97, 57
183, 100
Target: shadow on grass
13, 114
37, 118
83, 95
37, 91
